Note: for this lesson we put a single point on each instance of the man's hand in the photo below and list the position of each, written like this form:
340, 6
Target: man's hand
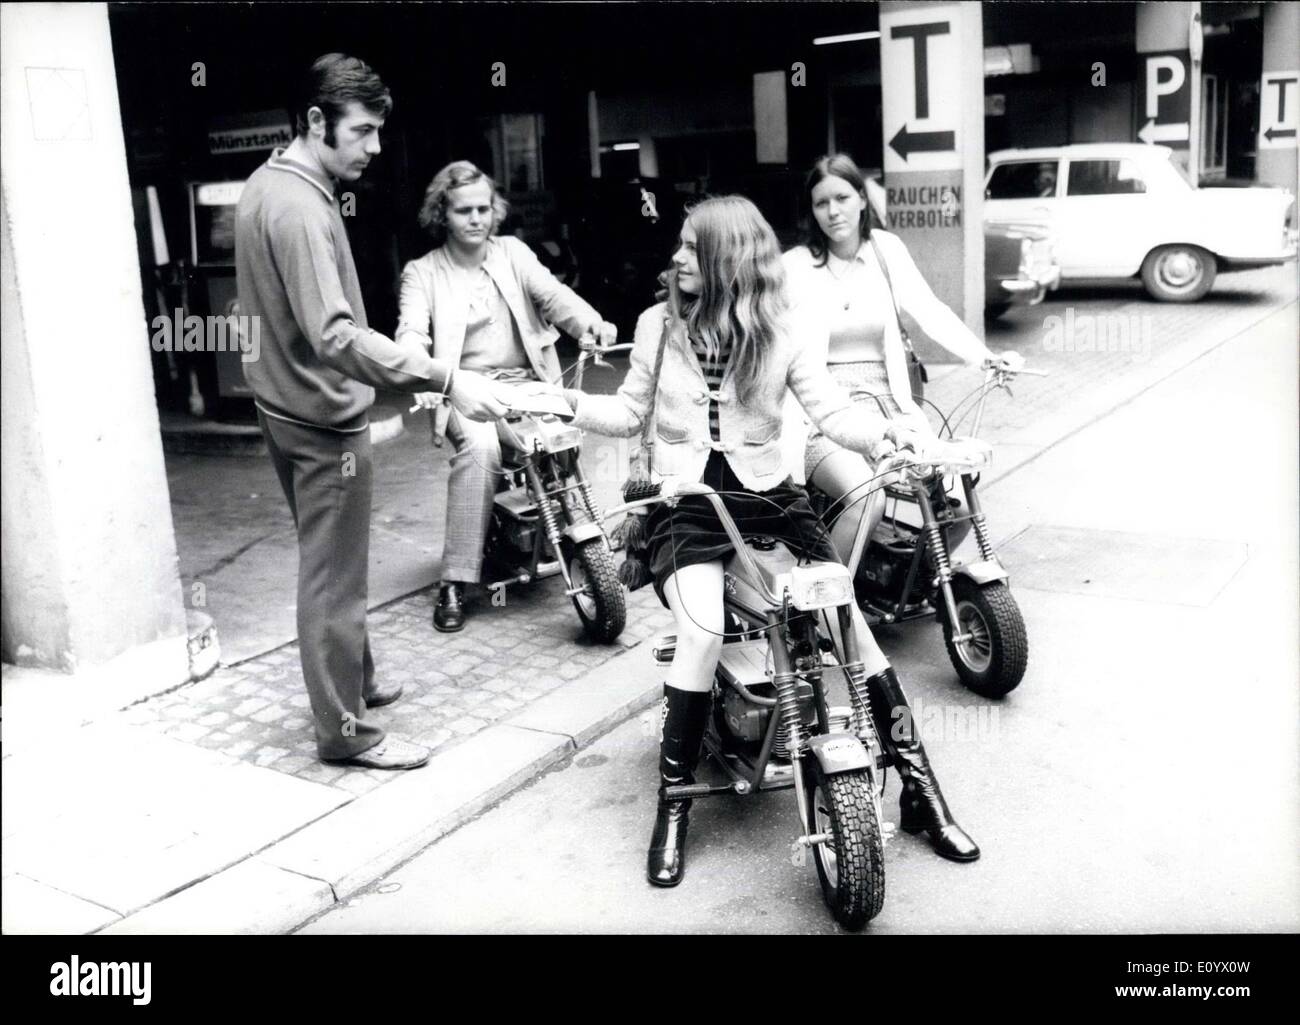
476, 397
599, 336
426, 400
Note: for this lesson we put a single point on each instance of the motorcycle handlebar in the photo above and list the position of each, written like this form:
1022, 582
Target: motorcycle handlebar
596, 350
999, 367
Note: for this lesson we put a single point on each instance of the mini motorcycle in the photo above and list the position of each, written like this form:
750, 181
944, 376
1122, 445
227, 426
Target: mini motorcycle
772, 728
544, 517
906, 570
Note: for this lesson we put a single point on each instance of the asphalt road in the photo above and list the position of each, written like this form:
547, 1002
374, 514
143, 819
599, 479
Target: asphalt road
1143, 778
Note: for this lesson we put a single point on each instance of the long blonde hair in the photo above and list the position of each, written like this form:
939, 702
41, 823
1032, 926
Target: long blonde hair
743, 294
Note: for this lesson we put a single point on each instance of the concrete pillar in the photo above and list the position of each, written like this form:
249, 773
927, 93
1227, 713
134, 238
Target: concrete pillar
89, 559
932, 85
1168, 39
1279, 99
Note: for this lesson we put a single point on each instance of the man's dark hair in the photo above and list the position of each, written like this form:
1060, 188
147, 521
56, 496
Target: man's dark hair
334, 81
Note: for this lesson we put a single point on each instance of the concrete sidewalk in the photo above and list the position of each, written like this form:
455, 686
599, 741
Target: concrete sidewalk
203, 810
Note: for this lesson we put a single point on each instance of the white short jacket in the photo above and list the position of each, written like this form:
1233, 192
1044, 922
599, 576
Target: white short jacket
809, 289
750, 431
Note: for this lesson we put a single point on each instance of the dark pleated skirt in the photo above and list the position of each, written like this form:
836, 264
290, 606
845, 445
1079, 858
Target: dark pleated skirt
690, 533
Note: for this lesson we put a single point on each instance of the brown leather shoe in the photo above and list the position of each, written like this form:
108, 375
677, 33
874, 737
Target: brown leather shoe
379, 696
390, 753
449, 614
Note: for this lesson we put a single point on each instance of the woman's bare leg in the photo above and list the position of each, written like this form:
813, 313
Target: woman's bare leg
841, 474
694, 595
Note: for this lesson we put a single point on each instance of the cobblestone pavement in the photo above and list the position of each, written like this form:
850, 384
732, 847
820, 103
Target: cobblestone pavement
455, 684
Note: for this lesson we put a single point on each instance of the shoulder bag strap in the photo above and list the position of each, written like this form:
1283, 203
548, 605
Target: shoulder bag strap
893, 301
647, 434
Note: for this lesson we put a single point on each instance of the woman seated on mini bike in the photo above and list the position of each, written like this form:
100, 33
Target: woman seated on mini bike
727, 348
487, 304
857, 279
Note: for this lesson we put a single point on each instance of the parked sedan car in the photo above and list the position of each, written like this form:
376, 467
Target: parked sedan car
1019, 257
1120, 210
1019, 265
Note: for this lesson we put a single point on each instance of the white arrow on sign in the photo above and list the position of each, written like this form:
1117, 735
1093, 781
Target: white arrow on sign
1151, 132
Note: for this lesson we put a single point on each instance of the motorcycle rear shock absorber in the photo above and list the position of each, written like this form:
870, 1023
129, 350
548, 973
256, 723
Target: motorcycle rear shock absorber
860, 701
977, 520
588, 499
787, 700
939, 549
856, 674
547, 511
934, 537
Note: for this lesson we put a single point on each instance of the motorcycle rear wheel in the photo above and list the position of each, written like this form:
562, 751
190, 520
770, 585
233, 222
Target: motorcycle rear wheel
993, 662
601, 607
851, 865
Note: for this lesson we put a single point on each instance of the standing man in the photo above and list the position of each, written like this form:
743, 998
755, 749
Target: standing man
313, 385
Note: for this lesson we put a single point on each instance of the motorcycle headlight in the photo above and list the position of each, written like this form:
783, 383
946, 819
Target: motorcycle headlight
557, 436
823, 585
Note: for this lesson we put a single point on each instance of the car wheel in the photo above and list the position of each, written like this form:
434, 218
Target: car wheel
1178, 273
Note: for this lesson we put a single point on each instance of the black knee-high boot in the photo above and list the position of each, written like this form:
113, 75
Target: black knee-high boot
684, 716
922, 803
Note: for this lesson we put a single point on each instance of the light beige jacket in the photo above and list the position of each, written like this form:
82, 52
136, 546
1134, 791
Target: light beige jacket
751, 430
434, 307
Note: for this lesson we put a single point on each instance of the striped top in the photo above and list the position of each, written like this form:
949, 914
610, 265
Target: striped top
714, 370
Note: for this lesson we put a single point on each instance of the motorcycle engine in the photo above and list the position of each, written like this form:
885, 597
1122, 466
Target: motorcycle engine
748, 723
516, 518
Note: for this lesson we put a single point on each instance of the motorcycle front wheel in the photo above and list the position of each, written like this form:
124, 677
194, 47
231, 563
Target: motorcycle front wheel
600, 604
992, 662
851, 864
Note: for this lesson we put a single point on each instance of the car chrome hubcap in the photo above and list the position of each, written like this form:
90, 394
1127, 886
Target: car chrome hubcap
1180, 270
978, 651
822, 824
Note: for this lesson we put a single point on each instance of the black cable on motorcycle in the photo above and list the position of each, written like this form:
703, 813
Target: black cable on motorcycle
861, 498
973, 398
945, 426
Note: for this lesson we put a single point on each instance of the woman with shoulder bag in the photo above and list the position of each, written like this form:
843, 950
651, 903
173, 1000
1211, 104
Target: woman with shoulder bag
710, 369
861, 280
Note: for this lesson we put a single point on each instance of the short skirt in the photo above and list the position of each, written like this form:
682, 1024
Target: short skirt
869, 377
690, 533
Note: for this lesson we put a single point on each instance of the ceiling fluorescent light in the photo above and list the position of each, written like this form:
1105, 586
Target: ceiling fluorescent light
851, 37
620, 147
